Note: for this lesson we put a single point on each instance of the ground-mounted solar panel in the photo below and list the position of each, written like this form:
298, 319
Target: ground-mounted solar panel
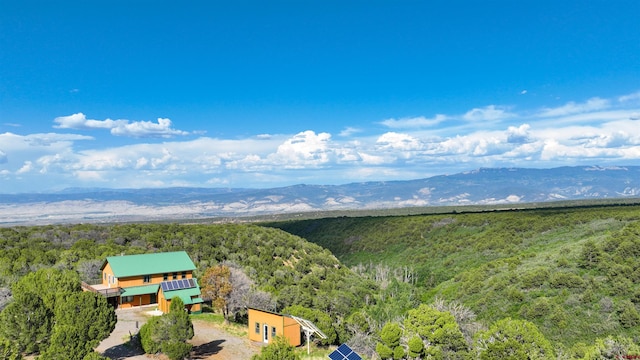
344, 352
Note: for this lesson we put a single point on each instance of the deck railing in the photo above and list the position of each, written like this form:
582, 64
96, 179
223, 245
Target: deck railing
110, 292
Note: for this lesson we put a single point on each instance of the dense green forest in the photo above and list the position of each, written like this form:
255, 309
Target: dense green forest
574, 272
546, 283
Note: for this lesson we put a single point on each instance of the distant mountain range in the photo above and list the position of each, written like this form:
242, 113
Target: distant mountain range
479, 187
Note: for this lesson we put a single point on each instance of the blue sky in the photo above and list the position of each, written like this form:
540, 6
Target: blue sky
261, 94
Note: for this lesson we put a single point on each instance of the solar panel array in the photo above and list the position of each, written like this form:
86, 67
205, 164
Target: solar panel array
177, 284
308, 326
344, 352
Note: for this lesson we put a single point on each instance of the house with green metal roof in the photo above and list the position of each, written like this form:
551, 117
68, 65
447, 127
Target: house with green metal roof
145, 279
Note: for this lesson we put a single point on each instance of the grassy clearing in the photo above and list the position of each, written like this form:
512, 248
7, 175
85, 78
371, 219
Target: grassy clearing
218, 320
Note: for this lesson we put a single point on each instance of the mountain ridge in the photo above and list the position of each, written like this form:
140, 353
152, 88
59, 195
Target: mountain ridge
483, 186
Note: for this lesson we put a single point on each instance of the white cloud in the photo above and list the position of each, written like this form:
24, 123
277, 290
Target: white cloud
398, 141
349, 131
518, 135
597, 131
80, 122
630, 97
488, 113
571, 107
304, 149
26, 167
142, 129
138, 129
414, 122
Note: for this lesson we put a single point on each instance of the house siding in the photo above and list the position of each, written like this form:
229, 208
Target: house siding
109, 280
285, 326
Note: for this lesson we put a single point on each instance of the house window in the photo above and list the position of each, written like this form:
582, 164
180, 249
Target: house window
184, 274
175, 275
257, 328
165, 277
273, 332
127, 299
147, 279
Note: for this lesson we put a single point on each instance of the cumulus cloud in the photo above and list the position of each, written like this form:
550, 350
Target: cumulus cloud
487, 113
398, 141
571, 107
596, 131
305, 149
79, 121
138, 129
414, 122
518, 135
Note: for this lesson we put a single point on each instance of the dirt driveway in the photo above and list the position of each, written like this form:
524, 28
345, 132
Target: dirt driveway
209, 341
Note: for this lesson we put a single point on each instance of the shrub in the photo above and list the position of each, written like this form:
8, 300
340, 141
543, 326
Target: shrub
566, 280
176, 350
416, 347
278, 349
149, 344
628, 315
535, 278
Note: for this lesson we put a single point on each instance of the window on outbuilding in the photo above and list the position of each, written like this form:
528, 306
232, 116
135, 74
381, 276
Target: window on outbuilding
273, 332
257, 328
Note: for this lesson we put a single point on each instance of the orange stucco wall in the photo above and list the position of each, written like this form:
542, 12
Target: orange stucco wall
164, 305
138, 300
284, 326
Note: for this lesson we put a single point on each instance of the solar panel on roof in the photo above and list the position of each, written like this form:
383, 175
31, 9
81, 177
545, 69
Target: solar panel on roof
179, 284
344, 352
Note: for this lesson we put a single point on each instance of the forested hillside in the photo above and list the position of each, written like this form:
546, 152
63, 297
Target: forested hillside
548, 283
289, 269
573, 272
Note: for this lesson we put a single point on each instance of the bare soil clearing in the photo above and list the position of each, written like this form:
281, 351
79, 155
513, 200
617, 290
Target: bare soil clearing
209, 341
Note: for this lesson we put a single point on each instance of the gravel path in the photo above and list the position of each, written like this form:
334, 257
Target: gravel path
209, 341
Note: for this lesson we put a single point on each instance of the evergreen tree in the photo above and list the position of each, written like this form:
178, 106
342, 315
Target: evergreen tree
278, 349
513, 339
27, 323
168, 333
82, 321
8, 350
437, 328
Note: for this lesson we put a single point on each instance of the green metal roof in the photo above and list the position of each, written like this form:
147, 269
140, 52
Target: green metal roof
140, 290
147, 264
185, 295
